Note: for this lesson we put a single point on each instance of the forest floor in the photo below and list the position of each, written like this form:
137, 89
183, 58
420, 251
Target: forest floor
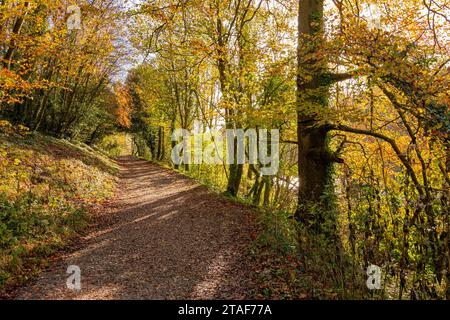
162, 237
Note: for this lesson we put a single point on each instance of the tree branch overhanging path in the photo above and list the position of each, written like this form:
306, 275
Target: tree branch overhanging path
164, 237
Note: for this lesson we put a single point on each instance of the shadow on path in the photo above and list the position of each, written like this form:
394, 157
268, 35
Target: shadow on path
166, 238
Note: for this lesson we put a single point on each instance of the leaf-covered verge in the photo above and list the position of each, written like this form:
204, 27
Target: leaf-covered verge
47, 189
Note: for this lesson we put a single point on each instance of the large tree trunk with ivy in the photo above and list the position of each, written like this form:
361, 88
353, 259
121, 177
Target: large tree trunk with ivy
315, 162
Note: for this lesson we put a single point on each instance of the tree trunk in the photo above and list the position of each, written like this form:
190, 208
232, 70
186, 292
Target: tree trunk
267, 189
163, 149
258, 191
234, 180
15, 31
158, 155
173, 143
314, 164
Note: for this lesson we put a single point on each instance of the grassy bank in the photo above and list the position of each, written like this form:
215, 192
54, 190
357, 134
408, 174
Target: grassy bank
47, 189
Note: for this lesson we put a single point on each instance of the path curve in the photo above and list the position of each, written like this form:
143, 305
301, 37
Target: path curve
166, 237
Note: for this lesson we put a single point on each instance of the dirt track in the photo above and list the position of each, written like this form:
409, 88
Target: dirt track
165, 237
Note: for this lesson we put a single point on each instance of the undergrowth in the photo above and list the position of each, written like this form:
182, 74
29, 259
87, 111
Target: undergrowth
47, 188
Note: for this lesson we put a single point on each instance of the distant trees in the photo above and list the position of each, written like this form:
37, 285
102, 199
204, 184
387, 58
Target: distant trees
211, 53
